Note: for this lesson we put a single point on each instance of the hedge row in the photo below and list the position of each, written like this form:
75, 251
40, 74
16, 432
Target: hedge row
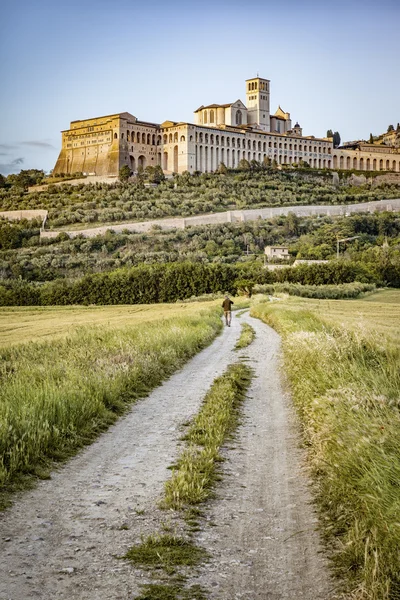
149, 284
331, 292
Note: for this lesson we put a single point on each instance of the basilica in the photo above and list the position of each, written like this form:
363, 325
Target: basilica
220, 133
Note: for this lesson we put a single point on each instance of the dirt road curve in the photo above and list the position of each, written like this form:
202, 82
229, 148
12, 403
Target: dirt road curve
61, 540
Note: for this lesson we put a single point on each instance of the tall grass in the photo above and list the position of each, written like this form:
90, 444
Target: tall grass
56, 396
247, 335
346, 386
196, 468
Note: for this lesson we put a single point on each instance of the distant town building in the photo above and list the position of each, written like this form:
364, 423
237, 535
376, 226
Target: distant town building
277, 252
221, 133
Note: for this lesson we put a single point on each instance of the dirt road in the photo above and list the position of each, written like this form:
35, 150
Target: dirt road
62, 540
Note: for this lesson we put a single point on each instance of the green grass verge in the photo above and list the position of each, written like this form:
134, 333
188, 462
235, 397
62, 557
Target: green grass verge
165, 551
171, 591
246, 337
56, 396
196, 469
346, 386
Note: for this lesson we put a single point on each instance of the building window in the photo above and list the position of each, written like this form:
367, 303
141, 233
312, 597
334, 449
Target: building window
211, 116
238, 117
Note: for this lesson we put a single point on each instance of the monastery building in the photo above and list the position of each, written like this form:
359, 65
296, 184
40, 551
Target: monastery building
221, 133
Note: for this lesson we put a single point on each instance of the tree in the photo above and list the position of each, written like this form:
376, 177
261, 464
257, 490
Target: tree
124, 173
26, 178
2, 181
371, 138
336, 139
222, 169
329, 133
390, 128
291, 225
154, 174
398, 127
254, 165
244, 165
266, 162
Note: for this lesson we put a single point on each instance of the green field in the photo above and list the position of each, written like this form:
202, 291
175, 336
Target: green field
27, 324
379, 312
66, 374
342, 361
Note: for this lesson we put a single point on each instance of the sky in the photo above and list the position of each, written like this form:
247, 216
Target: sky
332, 65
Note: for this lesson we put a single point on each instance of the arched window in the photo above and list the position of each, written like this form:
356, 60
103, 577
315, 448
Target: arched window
211, 139
182, 138
153, 140
143, 138
128, 136
148, 138
115, 136
159, 141
222, 140
228, 141
217, 140
122, 136
170, 138
254, 145
259, 145
201, 138
165, 138
175, 136
211, 116
205, 117
249, 144
238, 117
233, 142
138, 137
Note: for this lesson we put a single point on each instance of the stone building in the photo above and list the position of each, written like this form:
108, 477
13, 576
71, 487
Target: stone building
221, 133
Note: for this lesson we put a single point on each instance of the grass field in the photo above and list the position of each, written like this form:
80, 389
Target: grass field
378, 312
342, 361
33, 324
67, 373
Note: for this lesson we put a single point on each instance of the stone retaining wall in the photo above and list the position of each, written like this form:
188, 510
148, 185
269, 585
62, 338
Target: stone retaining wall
235, 216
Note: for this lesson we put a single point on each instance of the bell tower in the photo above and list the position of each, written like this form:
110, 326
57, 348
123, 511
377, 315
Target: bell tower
257, 102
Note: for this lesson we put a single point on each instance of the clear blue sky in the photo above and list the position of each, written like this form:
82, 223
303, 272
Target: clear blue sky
332, 65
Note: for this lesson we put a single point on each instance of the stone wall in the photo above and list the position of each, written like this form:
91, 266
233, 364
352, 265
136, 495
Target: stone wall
235, 216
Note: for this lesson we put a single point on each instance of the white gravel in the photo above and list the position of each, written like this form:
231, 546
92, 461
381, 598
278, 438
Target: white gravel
62, 540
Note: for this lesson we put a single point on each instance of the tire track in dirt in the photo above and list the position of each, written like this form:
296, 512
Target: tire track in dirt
263, 542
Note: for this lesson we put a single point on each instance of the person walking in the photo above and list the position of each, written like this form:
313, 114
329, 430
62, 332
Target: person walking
227, 306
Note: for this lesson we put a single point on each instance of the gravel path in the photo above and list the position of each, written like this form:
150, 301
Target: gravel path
62, 540
263, 540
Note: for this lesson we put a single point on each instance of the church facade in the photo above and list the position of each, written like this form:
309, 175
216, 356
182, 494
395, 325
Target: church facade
221, 133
